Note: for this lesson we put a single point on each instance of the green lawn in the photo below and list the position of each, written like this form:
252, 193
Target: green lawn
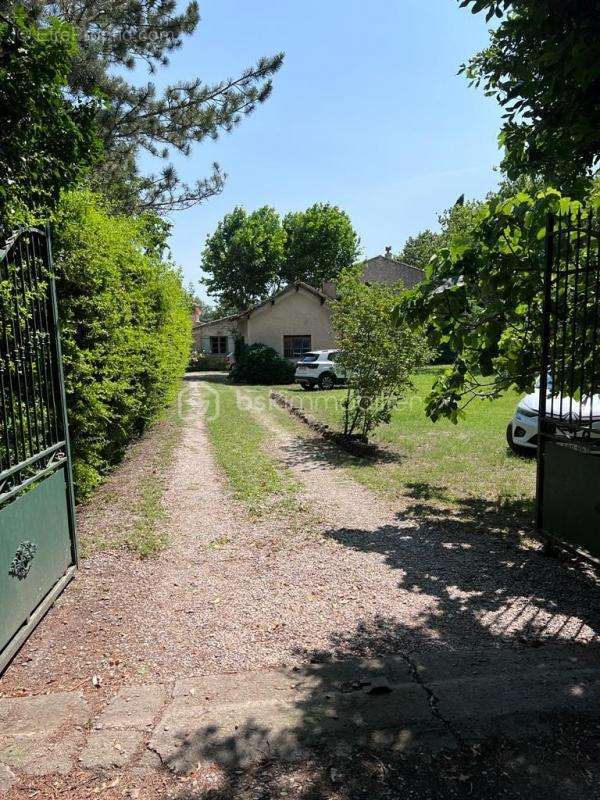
426, 464
438, 461
238, 439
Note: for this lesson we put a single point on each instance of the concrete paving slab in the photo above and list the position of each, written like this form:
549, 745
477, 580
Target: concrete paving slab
42, 714
248, 717
232, 736
133, 707
414, 701
110, 748
288, 684
31, 739
511, 690
468, 663
41, 755
237, 688
515, 703
149, 760
401, 702
7, 779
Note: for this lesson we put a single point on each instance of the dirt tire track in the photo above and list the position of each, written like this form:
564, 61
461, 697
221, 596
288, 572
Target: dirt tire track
232, 594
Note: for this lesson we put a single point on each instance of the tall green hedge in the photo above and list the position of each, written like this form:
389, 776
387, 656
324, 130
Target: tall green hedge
126, 329
47, 137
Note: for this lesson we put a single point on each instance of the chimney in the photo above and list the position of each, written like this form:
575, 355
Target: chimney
329, 289
196, 314
388, 251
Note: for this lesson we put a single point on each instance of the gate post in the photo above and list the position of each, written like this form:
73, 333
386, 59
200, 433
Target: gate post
545, 357
63, 399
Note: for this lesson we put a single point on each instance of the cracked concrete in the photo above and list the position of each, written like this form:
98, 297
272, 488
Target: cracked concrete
121, 728
134, 707
42, 714
400, 703
396, 702
36, 755
41, 735
237, 720
433, 699
110, 748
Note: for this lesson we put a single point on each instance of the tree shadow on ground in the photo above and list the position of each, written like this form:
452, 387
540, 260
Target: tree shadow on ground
313, 451
489, 687
509, 517
561, 765
491, 585
486, 688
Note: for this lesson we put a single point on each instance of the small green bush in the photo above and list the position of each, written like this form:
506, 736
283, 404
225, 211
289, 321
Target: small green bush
258, 363
126, 329
216, 364
378, 353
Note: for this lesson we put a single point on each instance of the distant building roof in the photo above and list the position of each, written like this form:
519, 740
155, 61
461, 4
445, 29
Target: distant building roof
384, 269
381, 269
286, 289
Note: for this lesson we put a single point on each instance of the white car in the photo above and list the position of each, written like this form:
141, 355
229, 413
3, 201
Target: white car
523, 429
319, 368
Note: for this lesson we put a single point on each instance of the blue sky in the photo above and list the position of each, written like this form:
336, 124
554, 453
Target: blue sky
367, 113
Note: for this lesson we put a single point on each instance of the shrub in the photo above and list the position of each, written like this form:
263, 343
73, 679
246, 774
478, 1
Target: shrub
378, 356
197, 362
126, 329
258, 363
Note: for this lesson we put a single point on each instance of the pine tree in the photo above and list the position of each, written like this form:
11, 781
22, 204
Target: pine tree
119, 35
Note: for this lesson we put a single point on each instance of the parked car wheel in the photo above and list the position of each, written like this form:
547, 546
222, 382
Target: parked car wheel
517, 449
308, 387
327, 381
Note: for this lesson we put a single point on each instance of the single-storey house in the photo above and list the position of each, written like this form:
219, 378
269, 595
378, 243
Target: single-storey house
295, 320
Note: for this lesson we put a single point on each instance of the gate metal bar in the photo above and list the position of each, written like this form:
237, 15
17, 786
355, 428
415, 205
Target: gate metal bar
568, 478
35, 451
63, 401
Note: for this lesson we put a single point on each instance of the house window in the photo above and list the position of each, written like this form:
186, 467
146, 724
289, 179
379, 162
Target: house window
296, 346
218, 345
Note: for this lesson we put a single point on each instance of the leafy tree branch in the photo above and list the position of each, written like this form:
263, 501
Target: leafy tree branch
542, 67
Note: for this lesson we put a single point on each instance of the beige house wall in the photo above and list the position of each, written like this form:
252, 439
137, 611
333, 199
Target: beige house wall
229, 328
297, 313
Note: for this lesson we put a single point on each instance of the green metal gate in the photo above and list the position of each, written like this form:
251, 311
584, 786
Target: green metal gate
568, 490
38, 550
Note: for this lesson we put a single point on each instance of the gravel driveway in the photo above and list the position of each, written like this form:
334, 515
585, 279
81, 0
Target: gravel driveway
351, 575
345, 575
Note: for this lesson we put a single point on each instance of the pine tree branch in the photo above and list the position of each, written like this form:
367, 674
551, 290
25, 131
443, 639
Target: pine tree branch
135, 118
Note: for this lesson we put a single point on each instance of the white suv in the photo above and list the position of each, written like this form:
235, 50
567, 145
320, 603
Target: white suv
319, 368
523, 429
